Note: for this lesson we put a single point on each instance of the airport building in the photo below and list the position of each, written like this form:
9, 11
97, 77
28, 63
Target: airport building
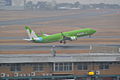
18, 2
12, 4
5, 2
65, 66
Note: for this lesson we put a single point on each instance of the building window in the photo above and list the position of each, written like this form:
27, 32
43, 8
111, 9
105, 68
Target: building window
38, 67
15, 67
104, 66
62, 66
82, 66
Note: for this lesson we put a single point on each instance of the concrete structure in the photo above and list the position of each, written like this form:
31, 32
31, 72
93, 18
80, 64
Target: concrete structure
5, 2
12, 4
18, 2
2, 2
61, 66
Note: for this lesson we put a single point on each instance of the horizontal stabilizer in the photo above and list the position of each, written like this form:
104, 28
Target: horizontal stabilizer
27, 39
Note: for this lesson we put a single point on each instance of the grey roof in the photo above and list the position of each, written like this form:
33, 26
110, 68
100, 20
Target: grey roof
84, 57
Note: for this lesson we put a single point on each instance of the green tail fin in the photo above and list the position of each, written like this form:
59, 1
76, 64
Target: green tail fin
32, 35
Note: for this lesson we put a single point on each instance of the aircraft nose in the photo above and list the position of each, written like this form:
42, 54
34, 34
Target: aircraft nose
94, 31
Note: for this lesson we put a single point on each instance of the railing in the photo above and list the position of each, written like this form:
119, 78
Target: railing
63, 77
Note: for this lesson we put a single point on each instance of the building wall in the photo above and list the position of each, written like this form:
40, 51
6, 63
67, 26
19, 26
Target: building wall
49, 69
5, 2
18, 2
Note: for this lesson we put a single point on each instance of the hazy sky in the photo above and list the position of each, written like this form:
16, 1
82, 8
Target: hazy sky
84, 1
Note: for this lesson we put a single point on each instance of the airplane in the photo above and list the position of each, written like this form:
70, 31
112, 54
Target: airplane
61, 37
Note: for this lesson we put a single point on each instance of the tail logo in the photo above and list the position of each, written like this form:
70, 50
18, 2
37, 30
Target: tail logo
32, 35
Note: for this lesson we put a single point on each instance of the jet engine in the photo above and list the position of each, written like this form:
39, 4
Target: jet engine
73, 38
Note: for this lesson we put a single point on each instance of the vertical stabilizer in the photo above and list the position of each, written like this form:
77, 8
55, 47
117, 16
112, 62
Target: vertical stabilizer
32, 35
